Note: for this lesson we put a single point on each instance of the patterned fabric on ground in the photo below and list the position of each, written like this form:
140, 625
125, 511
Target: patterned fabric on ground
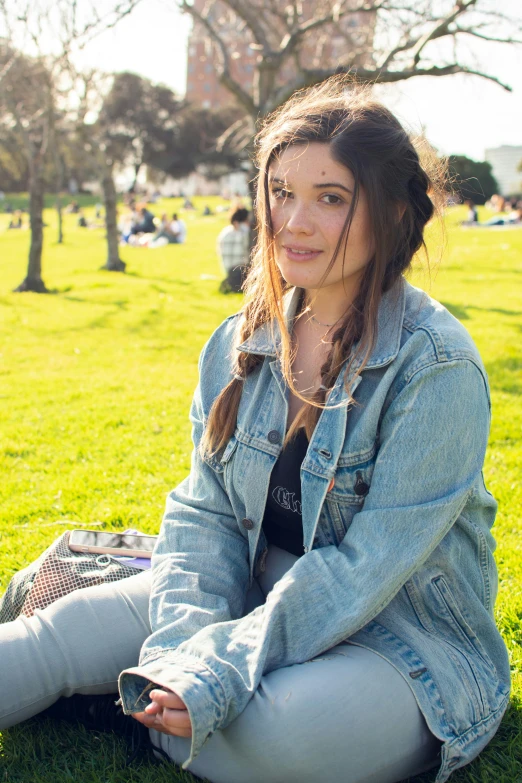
57, 572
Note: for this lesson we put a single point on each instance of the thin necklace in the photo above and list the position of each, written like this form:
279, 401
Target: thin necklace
320, 323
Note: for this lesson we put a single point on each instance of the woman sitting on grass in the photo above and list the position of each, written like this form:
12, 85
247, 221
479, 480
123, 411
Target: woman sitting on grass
335, 513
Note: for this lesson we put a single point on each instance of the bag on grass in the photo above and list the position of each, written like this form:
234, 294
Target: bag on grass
57, 572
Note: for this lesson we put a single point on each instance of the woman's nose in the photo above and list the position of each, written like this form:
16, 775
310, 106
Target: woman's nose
299, 220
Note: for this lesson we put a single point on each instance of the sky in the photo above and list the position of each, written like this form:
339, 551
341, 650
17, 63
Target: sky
460, 114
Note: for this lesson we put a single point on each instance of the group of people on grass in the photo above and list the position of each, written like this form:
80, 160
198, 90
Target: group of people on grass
141, 228
509, 213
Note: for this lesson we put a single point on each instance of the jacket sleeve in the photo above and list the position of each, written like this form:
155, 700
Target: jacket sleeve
423, 476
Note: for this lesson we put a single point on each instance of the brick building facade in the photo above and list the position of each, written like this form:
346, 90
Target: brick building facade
324, 48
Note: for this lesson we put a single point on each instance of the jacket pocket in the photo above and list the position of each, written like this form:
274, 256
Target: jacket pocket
463, 642
458, 622
340, 514
437, 613
218, 463
351, 485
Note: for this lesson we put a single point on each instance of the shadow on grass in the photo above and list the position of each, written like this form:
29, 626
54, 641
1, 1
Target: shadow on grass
122, 304
457, 310
461, 312
169, 280
44, 750
505, 375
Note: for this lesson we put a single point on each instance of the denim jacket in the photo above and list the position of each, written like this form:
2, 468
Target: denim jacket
397, 556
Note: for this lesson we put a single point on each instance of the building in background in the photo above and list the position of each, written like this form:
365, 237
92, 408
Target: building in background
505, 161
323, 50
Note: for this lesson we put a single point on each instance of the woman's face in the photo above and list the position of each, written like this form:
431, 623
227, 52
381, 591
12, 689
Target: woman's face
310, 195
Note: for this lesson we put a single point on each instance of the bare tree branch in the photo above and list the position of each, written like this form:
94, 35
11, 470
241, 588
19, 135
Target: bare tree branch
312, 77
225, 76
247, 13
440, 28
477, 34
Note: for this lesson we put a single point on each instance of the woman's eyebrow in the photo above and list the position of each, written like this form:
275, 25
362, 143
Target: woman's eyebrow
279, 181
333, 185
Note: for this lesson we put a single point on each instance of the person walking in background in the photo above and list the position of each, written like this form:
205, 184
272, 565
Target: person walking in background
233, 247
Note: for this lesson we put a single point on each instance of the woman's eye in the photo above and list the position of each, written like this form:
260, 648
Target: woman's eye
281, 193
331, 198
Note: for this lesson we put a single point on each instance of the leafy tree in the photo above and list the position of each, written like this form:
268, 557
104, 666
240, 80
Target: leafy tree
142, 118
152, 126
472, 179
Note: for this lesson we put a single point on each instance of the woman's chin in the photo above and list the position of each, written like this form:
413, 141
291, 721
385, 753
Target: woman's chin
299, 277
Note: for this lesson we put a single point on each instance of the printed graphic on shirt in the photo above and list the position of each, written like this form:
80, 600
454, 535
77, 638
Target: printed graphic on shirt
286, 500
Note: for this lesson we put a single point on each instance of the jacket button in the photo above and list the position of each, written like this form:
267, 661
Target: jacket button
274, 436
247, 524
360, 487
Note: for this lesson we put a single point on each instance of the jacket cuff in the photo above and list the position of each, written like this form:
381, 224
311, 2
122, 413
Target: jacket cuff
193, 682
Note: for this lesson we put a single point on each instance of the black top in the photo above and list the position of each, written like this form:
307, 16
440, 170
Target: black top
283, 522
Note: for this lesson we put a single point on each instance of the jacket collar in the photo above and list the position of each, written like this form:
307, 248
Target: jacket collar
266, 340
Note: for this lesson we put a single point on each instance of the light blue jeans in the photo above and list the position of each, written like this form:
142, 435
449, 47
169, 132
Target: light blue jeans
347, 715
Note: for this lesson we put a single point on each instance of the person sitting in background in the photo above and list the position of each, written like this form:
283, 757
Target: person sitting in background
233, 247
16, 220
178, 229
472, 216
82, 220
172, 233
145, 224
513, 218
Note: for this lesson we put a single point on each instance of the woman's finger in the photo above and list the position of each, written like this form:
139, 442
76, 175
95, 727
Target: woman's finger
176, 721
167, 699
177, 726
153, 708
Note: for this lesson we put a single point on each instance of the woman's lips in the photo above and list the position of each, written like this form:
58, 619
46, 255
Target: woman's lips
301, 254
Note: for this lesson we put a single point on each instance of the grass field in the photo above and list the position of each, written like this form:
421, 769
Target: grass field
95, 384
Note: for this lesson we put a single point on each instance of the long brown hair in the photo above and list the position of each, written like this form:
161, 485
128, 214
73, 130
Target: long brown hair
402, 197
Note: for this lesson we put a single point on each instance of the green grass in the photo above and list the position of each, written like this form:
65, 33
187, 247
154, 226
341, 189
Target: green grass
95, 385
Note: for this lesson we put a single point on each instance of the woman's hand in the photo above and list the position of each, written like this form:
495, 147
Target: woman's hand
166, 713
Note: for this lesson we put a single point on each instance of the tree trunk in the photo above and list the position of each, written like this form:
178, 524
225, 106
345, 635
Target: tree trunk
33, 280
114, 262
58, 205
137, 167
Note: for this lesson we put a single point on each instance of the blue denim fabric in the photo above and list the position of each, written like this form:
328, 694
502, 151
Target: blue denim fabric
398, 555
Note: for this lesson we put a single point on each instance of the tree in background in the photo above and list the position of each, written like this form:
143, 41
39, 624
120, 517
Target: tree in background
26, 107
298, 45
152, 126
142, 117
194, 144
48, 33
472, 179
